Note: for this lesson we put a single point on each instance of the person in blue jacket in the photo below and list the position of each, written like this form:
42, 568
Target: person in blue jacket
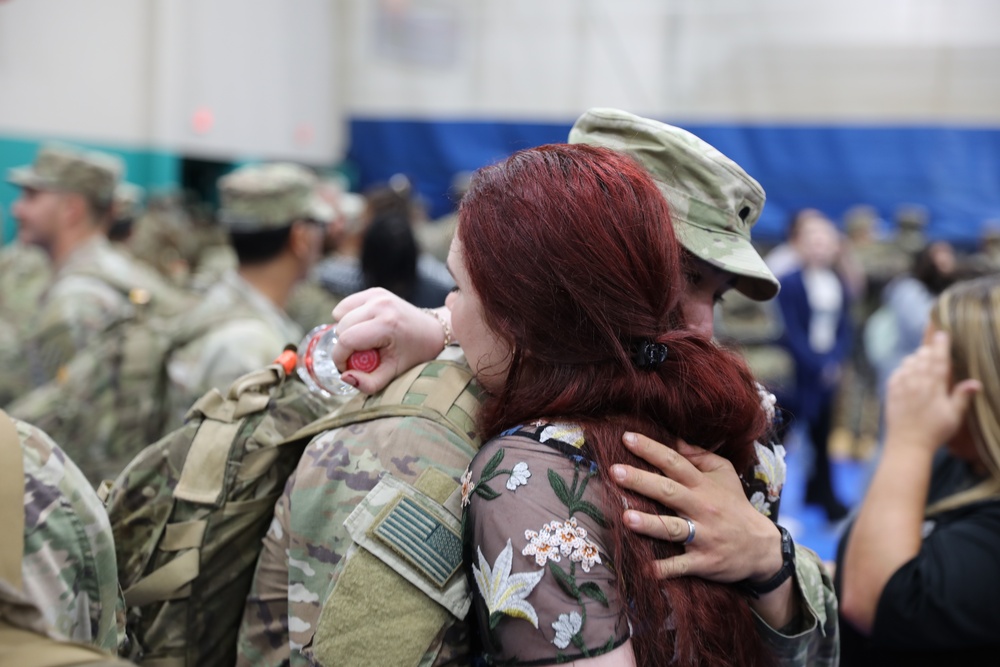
814, 303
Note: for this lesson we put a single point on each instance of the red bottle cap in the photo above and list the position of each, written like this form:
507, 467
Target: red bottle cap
365, 361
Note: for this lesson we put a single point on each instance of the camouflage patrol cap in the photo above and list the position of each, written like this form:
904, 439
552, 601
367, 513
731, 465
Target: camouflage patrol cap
270, 196
713, 202
127, 200
70, 169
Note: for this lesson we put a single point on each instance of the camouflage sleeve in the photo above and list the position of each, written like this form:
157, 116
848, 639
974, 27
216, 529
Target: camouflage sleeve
812, 639
69, 566
263, 635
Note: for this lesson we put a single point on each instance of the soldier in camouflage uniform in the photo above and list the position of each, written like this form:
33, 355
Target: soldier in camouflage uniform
68, 587
276, 224
293, 615
714, 204
64, 208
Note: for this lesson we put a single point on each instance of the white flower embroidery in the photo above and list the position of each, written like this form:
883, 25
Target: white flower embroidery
566, 627
768, 402
504, 592
759, 504
561, 538
587, 555
467, 487
568, 536
518, 476
543, 546
771, 469
571, 434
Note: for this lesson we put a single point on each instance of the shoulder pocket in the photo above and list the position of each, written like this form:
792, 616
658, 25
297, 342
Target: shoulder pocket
416, 537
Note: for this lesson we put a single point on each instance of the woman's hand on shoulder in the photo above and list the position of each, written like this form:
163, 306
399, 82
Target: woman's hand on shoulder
403, 334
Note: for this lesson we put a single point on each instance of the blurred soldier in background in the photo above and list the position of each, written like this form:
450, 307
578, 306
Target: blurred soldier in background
276, 225
911, 226
65, 209
125, 208
165, 237
311, 303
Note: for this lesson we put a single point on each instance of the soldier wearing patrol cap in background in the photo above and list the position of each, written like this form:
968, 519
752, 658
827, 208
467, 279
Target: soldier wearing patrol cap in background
276, 224
60, 584
125, 208
65, 209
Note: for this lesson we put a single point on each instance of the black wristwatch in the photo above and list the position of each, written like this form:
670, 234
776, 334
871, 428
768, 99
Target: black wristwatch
787, 569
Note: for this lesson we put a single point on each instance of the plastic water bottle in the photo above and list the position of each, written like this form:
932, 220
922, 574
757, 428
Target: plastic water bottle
315, 362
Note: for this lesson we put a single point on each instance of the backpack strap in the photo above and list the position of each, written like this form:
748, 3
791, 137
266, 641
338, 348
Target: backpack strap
202, 480
11, 501
442, 391
203, 476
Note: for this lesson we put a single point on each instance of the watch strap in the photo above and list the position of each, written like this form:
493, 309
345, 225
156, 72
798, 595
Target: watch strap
755, 590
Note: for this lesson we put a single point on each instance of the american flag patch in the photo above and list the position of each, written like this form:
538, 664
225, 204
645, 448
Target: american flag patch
422, 539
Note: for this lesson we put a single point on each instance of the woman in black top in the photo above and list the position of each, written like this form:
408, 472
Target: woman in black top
918, 575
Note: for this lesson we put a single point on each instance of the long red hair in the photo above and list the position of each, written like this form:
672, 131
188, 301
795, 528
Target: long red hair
571, 251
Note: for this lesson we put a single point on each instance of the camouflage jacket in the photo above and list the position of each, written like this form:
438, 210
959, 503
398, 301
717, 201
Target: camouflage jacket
88, 293
24, 275
303, 609
69, 573
252, 338
290, 611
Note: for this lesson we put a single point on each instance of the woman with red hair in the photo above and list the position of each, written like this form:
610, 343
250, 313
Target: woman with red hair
567, 308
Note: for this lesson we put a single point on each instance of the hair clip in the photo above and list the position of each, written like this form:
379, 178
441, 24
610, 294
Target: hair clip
649, 354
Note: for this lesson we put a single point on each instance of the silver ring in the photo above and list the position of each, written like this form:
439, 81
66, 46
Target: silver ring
690, 537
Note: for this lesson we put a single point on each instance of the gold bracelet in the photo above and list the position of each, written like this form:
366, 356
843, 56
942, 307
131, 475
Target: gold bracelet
448, 337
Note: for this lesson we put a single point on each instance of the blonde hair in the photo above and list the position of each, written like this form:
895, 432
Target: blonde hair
969, 312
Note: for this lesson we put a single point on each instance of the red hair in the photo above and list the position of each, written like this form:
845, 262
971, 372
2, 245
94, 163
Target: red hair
571, 251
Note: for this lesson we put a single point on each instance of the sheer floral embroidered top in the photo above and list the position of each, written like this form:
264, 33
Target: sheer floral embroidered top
535, 537
534, 534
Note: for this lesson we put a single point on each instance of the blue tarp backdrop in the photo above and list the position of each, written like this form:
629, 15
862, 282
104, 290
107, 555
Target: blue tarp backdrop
953, 172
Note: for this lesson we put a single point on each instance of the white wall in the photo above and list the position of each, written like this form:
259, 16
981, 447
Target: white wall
281, 76
261, 71
75, 68
864, 60
136, 72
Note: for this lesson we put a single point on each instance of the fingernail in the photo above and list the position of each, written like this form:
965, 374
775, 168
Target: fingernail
629, 439
631, 518
618, 473
350, 379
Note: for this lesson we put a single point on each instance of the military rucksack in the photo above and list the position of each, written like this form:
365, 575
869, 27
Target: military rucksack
190, 511
113, 398
20, 647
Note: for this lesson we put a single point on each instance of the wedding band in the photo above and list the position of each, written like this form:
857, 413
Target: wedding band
690, 537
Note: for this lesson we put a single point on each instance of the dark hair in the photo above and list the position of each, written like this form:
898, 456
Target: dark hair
121, 229
571, 250
927, 272
259, 247
389, 255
